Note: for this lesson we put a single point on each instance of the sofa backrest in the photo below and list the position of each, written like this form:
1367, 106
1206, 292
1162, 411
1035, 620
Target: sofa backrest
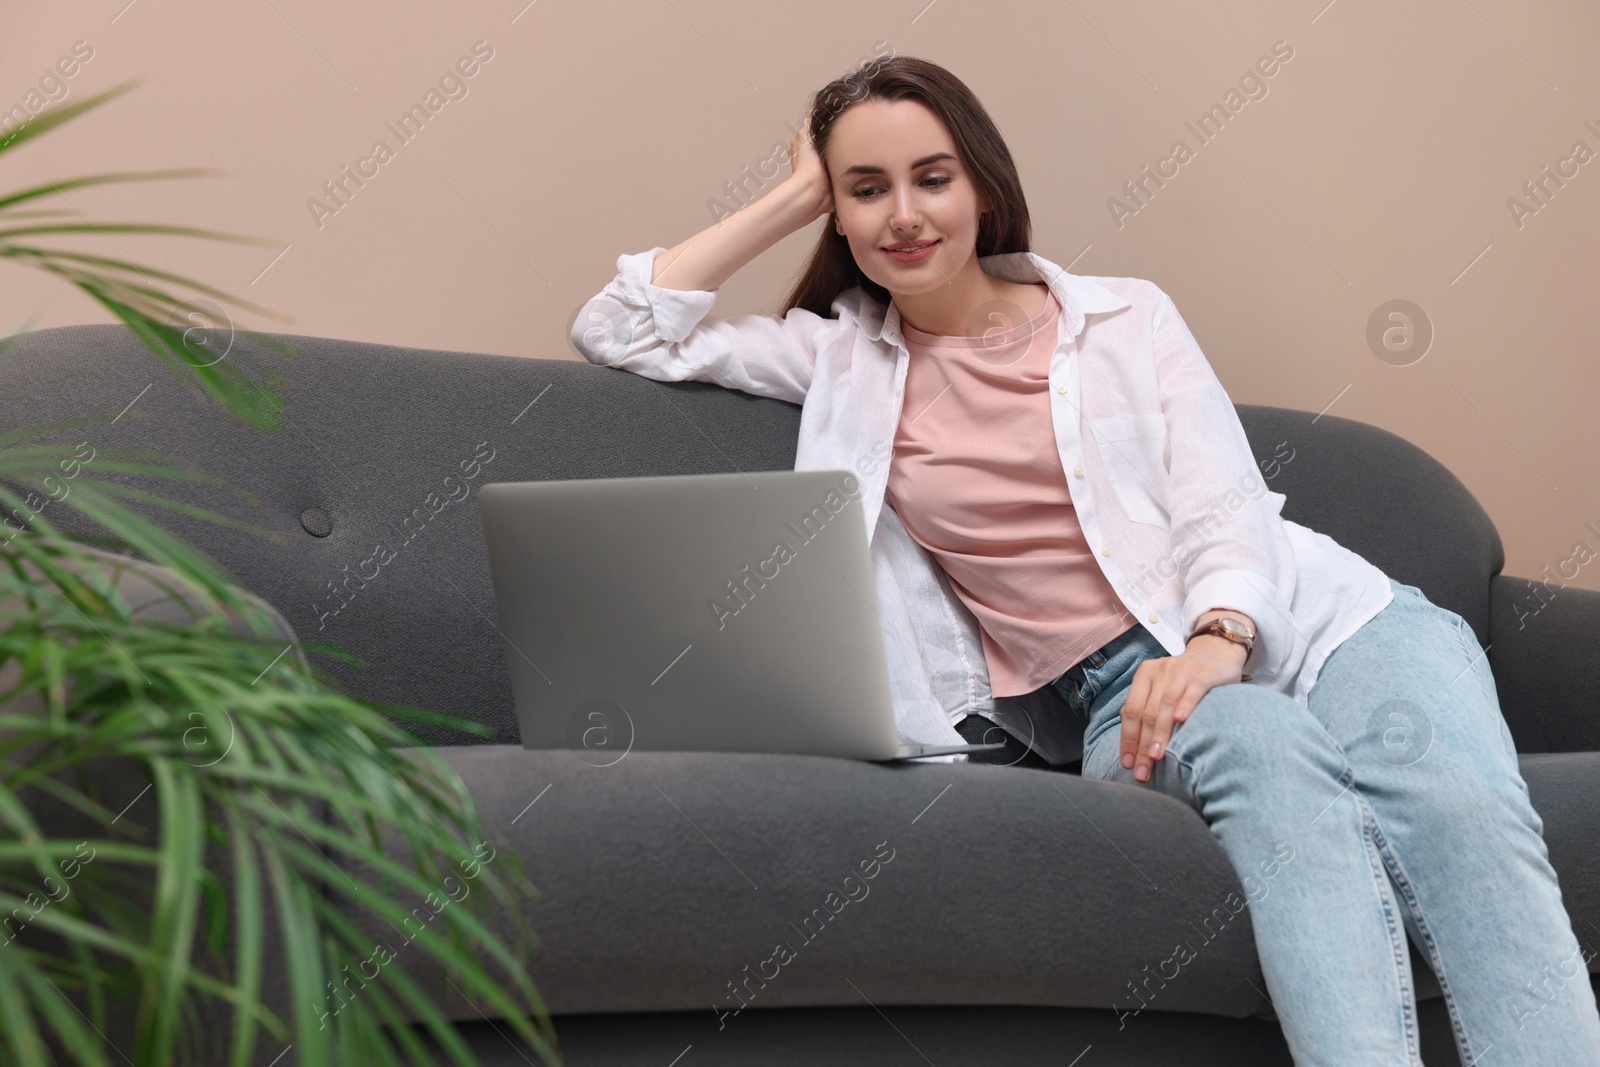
369, 487
1384, 498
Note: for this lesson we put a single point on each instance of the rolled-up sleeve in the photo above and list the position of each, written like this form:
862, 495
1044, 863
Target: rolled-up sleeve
1228, 538
663, 334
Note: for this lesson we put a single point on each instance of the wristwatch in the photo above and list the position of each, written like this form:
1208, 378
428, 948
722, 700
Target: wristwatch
1231, 629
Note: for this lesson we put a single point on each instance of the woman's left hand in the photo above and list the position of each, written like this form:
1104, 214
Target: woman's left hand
1165, 689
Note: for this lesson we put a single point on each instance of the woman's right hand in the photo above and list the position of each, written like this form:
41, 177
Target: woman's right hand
729, 243
810, 174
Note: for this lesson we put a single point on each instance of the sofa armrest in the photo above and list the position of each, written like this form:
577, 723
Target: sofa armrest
1542, 644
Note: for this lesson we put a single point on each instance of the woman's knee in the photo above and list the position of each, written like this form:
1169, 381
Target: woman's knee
1249, 719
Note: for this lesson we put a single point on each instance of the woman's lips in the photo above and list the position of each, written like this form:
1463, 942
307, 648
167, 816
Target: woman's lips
912, 257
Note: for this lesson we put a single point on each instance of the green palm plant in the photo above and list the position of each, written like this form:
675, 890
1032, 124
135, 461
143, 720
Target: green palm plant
275, 802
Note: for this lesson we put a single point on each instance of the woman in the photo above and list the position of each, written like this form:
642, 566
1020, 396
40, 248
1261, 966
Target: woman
1062, 450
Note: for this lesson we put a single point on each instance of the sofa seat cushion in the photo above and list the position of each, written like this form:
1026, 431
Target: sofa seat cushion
1562, 787
669, 880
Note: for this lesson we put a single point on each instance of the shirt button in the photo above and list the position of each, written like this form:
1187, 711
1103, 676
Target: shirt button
1078, 470
1105, 550
1061, 389
1153, 617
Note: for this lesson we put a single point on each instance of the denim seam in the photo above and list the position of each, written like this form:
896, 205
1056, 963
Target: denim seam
1463, 1043
1403, 883
1465, 634
1192, 782
1464, 631
1371, 835
1469, 639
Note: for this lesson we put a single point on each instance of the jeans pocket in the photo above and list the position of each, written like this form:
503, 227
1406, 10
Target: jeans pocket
1093, 675
1093, 669
1076, 689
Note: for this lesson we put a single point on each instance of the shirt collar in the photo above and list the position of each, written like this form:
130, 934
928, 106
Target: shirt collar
1077, 296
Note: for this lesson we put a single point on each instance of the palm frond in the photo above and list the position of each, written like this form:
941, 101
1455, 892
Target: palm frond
95, 179
280, 803
162, 321
50, 118
294, 746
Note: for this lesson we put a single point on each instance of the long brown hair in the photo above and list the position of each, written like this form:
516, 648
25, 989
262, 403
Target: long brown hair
832, 268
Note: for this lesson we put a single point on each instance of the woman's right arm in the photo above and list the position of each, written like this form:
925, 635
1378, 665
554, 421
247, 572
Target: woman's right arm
716, 253
648, 319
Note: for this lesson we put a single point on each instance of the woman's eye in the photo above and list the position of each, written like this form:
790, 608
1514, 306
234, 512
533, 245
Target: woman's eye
865, 191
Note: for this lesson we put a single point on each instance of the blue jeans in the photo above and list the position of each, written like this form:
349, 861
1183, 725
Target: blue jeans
1394, 799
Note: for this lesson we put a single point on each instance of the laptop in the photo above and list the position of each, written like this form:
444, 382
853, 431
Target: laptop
701, 612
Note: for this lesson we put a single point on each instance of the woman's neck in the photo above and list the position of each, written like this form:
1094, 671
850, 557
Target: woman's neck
967, 307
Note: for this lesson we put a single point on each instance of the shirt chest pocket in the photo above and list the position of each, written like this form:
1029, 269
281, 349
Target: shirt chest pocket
1132, 447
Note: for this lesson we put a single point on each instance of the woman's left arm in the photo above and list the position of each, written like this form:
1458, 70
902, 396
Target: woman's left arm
1238, 552
1238, 562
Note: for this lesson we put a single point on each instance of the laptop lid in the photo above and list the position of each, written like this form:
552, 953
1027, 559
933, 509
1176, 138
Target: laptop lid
706, 612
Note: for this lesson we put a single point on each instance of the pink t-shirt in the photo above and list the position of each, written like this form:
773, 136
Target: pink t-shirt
976, 480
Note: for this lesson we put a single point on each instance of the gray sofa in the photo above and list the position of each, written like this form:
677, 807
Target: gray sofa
668, 879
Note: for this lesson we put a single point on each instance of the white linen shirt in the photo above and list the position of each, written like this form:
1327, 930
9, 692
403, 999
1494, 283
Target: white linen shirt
1157, 464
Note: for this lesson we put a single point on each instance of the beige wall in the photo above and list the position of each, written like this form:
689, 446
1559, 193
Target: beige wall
1378, 163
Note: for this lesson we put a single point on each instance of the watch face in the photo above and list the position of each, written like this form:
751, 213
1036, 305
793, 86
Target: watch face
1233, 626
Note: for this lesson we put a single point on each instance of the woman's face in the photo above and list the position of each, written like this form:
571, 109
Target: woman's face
897, 181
